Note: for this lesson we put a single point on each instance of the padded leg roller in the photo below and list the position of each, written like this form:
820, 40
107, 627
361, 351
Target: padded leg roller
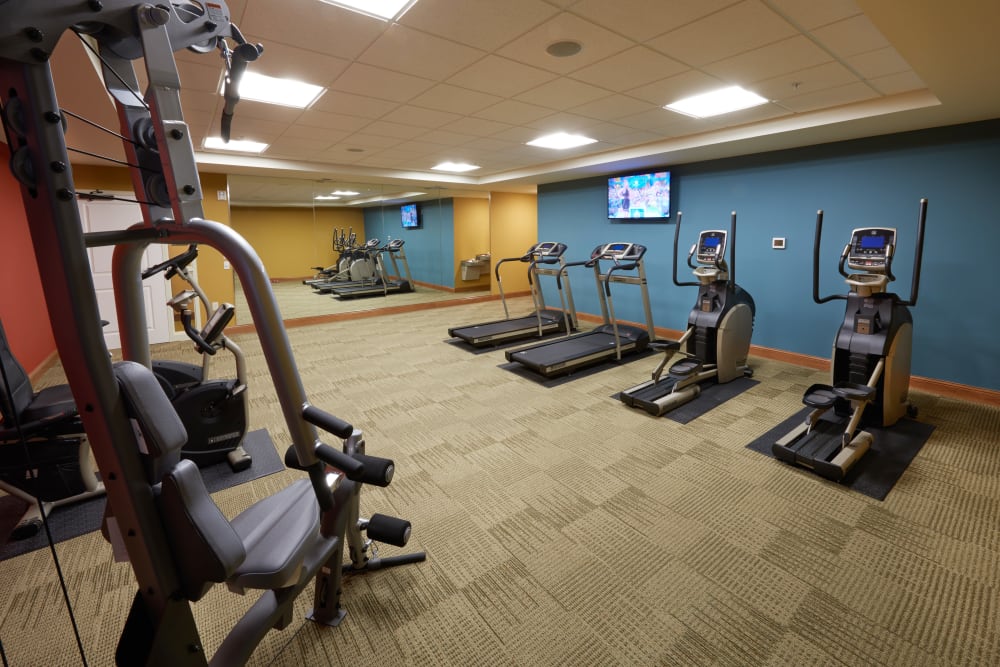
389, 529
378, 471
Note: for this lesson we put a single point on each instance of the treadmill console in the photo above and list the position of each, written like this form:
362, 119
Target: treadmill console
711, 246
547, 250
619, 252
871, 249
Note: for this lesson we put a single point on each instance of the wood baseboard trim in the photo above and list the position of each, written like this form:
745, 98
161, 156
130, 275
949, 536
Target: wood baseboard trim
46, 363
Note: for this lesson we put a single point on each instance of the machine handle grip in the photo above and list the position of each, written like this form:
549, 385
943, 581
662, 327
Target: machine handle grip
843, 258
352, 468
179, 262
204, 347
327, 422
242, 55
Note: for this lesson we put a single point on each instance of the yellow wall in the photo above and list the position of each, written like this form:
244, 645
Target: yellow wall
214, 278
472, 237
292, 240
513, 229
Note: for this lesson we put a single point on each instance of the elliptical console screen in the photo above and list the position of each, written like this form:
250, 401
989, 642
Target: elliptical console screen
871, 242
711, 245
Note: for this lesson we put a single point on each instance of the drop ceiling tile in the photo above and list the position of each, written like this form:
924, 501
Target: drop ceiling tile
669, 90
811, 14
484, 24
898, 83
880, 62
830, 97
812, 79
562, 93
851, 36
513, 111
742, 27
193, 100
564, 122
336, 101
597, 43
325, 28
257, 130
369, 142
477, 127
300, 149
331, 121
644, 19
396, 130
445, 97
612, 107
413, 115
502, 142
403, 49
446, 137
264, 111
205, 77
500, 76
629, 69
318, 134
769, 61
292, 62
662, 122
369, 81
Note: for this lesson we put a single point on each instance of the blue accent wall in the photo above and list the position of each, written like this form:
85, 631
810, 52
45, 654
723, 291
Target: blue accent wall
430, 249
869, 182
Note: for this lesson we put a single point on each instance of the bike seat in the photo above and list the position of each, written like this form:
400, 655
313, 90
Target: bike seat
820, 396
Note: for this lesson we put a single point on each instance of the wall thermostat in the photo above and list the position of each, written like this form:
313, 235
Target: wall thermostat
778, 243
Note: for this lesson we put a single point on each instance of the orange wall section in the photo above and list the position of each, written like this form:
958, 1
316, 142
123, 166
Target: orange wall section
22, 302
293, 240
471, 238
513, 229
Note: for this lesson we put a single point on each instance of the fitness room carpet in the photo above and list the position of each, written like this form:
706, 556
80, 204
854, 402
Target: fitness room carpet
83, 517
881, 466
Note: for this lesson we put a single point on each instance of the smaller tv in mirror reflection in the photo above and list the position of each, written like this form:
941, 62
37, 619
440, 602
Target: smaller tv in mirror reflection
411, 217
639, 196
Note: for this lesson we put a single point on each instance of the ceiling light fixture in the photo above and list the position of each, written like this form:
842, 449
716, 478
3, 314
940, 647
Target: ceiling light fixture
562, 141
345, 193
717, 102
238, 145
455, 166
326, 197
387, 10
272, 90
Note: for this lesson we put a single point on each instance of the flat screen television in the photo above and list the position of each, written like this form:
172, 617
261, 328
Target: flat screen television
410, 215
639, 196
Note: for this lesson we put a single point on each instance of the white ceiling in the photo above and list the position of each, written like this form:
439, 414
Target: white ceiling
470, 80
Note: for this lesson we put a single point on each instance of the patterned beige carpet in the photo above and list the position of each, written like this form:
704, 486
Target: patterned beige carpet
563, 528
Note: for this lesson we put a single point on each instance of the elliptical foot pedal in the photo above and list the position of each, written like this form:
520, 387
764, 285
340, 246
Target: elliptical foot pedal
820, 396
854, 392
686, 367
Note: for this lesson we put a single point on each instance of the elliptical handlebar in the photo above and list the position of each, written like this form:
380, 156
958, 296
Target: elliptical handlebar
843, 258
174, 264
918, 255
677, 235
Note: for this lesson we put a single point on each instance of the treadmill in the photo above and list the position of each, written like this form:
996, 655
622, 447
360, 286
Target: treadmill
543, 321
609, 341
385, 285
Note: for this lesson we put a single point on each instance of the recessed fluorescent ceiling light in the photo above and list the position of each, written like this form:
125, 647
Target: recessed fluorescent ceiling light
240, 145
326, 197
455, 166
717, 102
272, 90
561, 140
345, 193
383, 9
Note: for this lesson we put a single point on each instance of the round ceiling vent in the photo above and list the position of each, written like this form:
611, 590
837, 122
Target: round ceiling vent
564, 48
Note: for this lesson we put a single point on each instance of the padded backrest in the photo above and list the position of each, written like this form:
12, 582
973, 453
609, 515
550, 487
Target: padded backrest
204, 545
163, 432
21, 393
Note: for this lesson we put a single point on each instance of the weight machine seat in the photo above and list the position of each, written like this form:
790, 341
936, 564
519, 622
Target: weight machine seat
51, 411
264, 547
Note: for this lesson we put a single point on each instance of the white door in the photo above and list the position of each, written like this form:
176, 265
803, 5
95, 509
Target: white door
113, 215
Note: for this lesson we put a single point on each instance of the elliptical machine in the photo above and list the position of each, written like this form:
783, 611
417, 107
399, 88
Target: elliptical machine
717, 341
214, 412
870, 373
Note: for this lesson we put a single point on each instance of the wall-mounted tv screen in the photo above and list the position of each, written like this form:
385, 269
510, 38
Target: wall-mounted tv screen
411, 218
639, 196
